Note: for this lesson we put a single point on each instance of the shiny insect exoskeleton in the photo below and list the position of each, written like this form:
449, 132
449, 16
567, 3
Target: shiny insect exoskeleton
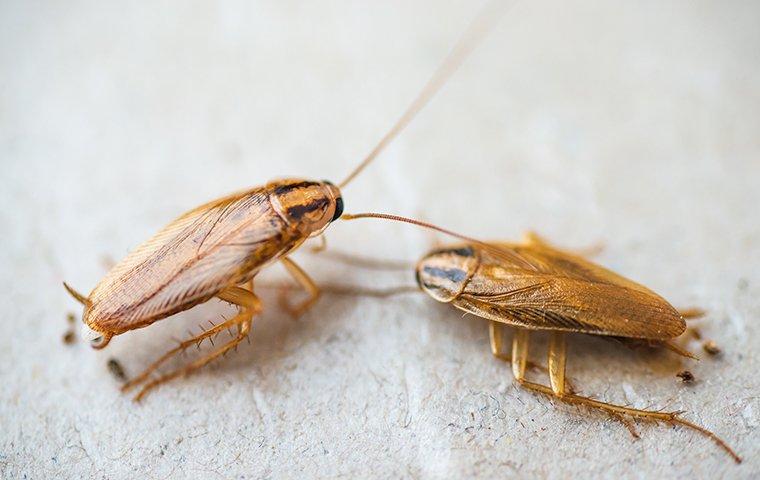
533, 286
215, 250
210, 251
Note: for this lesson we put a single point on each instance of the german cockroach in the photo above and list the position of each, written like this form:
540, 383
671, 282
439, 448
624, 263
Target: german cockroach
533, 286
216, 249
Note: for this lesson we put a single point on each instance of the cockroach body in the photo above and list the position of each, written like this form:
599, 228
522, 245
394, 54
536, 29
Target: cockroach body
210, 251
206, 250
537, 287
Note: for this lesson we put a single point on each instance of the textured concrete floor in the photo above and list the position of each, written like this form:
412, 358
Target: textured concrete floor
633, 123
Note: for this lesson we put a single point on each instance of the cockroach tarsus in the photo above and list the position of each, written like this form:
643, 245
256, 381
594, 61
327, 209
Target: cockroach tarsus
533, 286
216, 250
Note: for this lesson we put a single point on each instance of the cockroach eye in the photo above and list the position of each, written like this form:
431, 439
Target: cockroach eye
338, 208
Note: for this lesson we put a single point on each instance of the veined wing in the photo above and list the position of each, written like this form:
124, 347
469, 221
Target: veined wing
561, 291
205, 250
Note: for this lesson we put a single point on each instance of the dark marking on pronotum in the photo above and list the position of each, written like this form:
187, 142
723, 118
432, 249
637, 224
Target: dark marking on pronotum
293, 186
464, 251
454, 274
298, 211
461, 251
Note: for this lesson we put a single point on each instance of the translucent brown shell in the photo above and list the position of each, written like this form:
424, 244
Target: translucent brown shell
538, 287
209, 248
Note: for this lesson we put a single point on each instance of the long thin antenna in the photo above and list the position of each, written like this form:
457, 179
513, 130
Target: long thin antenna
512, 256
476, 31
419, 223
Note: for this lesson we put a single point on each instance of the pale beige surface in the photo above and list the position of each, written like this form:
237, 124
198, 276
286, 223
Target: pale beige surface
631, 123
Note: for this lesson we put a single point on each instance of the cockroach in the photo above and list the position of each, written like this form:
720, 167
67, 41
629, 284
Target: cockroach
216, 249
533, 286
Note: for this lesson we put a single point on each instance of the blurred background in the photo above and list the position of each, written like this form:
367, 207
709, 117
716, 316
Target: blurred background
634, 124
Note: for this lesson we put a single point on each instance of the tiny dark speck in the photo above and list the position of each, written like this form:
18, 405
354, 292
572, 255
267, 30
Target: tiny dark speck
685, 376
69, 337
116, 370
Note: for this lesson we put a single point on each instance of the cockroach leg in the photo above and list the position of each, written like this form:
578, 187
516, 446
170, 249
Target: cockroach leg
557, 361
520, 343
628, 424
692, 313
249, 305
679, 350
306, 282
322, 245
496, 334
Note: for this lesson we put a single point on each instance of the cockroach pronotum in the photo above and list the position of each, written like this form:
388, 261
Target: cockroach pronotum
533, 286
215, 250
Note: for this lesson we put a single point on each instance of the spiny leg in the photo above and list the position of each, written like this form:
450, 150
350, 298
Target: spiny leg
306, 282
249, 306
243, 328
615, 410
557, 368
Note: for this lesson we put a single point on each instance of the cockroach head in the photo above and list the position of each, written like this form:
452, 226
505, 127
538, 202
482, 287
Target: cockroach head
443, 274
308, 204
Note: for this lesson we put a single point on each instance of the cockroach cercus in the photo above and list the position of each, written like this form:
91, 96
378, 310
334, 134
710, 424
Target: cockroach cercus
215, 250
533, 286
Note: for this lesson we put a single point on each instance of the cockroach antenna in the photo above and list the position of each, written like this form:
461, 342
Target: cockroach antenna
483, 23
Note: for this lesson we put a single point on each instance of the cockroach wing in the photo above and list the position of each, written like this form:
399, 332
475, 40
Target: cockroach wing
555, 290
220, 244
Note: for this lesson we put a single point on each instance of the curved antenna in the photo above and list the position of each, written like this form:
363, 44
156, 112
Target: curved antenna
419, 223
511, 256
479, 27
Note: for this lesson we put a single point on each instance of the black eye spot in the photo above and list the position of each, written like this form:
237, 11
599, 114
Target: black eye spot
338, 208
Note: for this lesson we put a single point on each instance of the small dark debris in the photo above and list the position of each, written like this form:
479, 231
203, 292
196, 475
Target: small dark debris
116, 370
71, 318
69, 337
711, 347
685, 376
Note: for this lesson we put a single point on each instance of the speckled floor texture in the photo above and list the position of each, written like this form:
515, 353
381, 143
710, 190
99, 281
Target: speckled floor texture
634, 125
